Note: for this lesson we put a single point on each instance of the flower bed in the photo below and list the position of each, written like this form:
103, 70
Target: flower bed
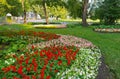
51, 26
107, 30
110, 28
54, 57
64, 40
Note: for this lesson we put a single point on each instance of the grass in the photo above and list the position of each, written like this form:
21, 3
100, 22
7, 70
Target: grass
109, 43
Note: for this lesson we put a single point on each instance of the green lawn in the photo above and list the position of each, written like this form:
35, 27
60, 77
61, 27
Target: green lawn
109, 43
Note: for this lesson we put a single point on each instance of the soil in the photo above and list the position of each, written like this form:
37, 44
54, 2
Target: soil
104, 71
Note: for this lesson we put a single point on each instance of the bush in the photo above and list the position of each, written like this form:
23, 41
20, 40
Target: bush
108, 26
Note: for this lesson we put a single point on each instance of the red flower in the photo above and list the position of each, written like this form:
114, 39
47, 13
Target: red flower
56, 57
68, 62
34, 62
36, 52
31, 65
28, 69
56, 71
35, 33
60, 62
33, 47
14, 56
42, 72
45, 61
22, 57
41, 53
59, 53
49, 55
7, 69
35, 68
33, 77
48, 77
20, 60
51, 64
20, 70
4, 78
27, 60
15, 77
13, 68
26, 77
42, 75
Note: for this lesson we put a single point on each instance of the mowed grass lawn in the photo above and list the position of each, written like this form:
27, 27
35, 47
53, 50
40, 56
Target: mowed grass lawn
109, 43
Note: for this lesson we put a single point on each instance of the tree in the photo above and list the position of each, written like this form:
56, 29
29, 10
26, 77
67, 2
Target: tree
109, 11
16, 7
4, 7
84, 12
46, 3
75, 8
25, 7
78, 8
58, 11
45, 11
8, 6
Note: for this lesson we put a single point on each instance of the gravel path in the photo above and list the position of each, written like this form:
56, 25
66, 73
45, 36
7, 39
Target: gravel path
103, 72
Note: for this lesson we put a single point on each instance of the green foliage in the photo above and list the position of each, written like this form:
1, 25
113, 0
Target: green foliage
10, 6
13, 45
75, 8
58, 11
109, 11
3, 7
16, 43
108, 26
16, 9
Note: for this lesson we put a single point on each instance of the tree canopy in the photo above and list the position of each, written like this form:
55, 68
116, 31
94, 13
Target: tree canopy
8, 6
109, 11
75, 8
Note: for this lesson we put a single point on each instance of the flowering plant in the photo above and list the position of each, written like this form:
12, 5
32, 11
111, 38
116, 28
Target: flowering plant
43, 35
85, 65
43, 64
51, 56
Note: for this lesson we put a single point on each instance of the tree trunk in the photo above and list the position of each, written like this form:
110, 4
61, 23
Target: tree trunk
35, 15
45, 11
25, 17
84, 13
23, 6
